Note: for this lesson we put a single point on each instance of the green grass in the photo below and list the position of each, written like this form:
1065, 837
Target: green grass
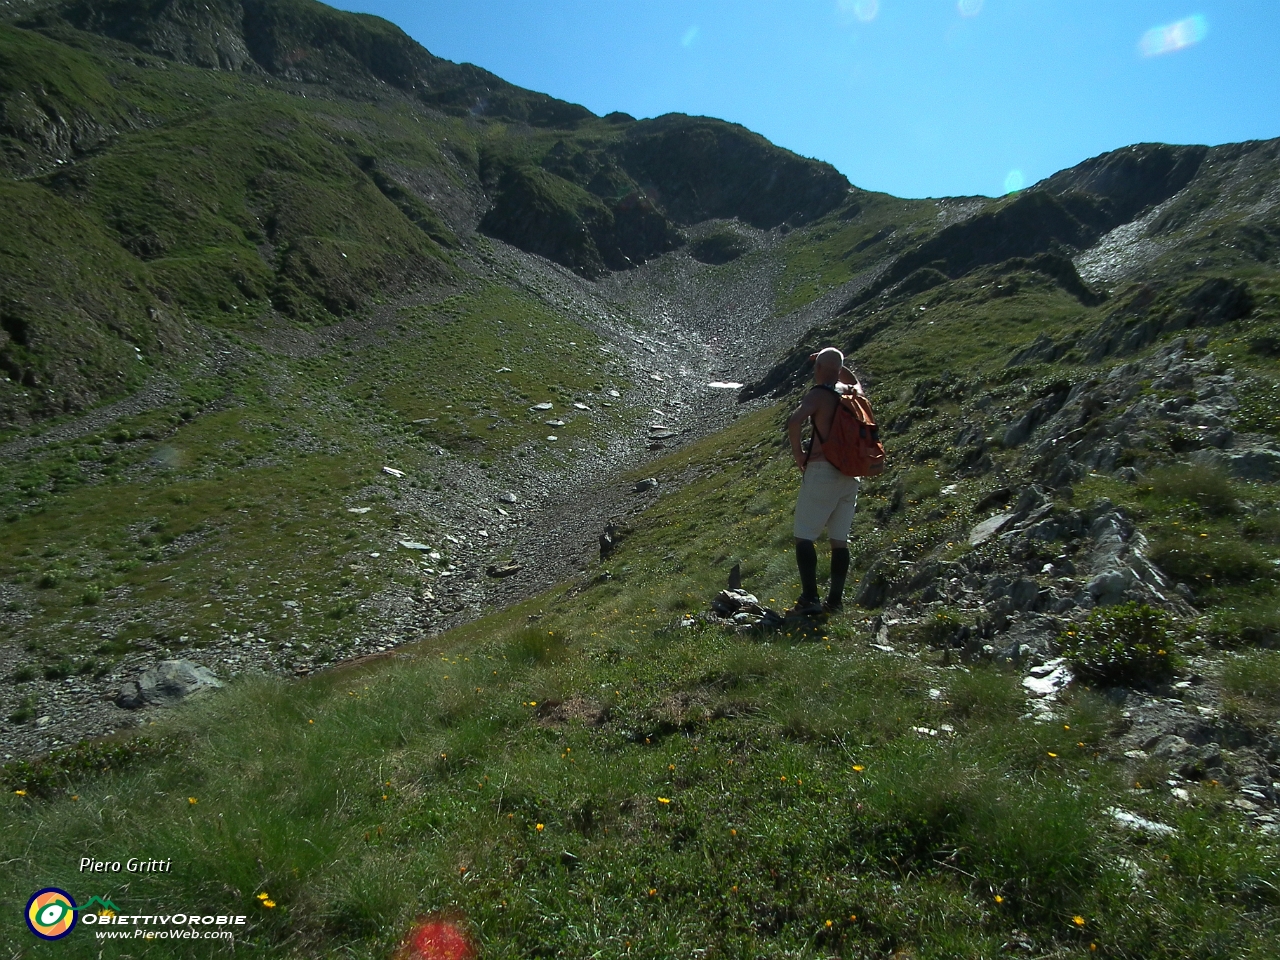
198, 520
1251, 681
871, 227
695, 788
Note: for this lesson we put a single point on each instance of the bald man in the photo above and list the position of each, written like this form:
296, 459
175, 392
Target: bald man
827, 497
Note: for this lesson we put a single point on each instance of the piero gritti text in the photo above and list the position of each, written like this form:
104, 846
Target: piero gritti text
132, 865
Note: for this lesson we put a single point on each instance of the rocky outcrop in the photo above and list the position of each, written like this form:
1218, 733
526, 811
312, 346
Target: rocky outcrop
166, 683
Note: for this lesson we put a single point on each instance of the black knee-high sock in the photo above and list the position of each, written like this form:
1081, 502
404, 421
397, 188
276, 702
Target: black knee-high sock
807, 561
839, 570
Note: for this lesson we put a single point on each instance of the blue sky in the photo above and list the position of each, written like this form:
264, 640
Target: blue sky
913, 97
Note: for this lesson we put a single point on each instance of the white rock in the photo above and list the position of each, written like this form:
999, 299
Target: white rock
393, 472
414, 545
988, 528
724, 385
504, 369
358, 509
552, 438
1048, 678
582, 406
1131, 821
545, 405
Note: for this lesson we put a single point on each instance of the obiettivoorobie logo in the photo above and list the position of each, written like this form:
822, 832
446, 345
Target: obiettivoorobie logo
51, 913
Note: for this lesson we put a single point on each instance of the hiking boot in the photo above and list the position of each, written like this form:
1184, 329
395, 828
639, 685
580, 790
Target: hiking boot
806, 607
829, 607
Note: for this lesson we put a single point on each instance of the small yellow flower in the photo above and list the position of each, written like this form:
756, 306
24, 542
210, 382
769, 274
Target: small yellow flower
853, 918
999, 899
384, 796
733, 832
1052, 754
1078, 921
653, 891
539, 827
269, 904
20, 793
664, 799
264, 896
1066, 726
192, 801
858, 768
828, 923
671, 766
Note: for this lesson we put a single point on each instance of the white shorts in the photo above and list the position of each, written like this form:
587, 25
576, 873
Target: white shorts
827, 499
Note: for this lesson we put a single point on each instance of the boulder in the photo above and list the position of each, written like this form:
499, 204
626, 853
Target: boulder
728, 603
874, 589
988, 528
167, 682
1256, 463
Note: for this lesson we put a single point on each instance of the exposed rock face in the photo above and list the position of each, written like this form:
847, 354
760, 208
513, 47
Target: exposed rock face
166, 683
701, 169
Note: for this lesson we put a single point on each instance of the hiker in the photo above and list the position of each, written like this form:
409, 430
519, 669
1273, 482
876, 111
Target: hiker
827, 497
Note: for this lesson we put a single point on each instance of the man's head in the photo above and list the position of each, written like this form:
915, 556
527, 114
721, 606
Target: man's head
826, 364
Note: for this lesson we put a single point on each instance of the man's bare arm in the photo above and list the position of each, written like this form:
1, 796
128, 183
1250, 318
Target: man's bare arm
795, 424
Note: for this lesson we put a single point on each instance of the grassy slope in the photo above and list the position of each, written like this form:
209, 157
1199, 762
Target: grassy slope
228, 201
155, 531
422, 784
360, 798
739, 795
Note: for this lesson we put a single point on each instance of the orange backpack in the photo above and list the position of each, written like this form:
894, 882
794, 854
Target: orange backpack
853, 447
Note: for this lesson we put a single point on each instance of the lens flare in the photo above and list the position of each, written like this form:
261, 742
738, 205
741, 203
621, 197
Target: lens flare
1174, 36
441, 936
689, 37
969, 8
864, 10
1013, 181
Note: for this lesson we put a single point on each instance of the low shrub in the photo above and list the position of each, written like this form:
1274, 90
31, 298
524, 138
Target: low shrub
1127, 645
536, 645
1209, 488
941, 629
1251, 683
1195, 560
